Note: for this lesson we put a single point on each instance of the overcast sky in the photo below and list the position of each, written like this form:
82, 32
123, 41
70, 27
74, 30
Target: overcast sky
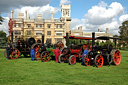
91, 14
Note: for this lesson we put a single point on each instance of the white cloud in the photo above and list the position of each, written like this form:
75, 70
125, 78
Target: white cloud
75, 23
123, 18
101, 17
4, 25
34, 11
64, 2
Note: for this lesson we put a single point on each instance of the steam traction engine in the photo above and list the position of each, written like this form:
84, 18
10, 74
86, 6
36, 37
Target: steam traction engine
45, 54
21, 47
103, 54
72, 53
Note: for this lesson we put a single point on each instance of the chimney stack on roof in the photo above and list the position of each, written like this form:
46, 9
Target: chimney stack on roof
11, 14
106, 30
25, 14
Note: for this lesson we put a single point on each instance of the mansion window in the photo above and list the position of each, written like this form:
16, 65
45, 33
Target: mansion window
59, 26
39, 26
48, 32
28, 32
17, 25
17, 32
29, 25
48, 25
58, 34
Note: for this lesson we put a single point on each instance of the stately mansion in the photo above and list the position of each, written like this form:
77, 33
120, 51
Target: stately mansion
52, 29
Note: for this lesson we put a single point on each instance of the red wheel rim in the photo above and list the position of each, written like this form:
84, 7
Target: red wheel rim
117, 57
99, 61
45, 57
15, 54
88, 61
73, 60
38, 56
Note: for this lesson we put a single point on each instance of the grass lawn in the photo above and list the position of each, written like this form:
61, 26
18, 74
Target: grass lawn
23, 71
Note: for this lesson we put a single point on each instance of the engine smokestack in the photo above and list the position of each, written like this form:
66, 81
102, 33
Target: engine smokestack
93, 39
42, 40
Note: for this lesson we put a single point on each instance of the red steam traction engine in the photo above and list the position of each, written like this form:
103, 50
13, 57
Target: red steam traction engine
101, 55
71, 53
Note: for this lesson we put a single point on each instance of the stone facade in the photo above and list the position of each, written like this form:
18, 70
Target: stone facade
79, 32
52, 29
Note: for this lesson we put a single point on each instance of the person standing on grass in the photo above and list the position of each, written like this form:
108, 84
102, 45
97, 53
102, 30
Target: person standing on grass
57, 52
8, 51
32, 52
84, 54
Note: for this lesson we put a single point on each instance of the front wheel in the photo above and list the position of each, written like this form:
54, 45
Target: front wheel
37, 55
61, 58
45, 56
87, 60
72, 60
99, 61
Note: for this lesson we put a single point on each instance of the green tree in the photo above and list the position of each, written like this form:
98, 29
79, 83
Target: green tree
2, 34
1, 19
3, 39
123, 31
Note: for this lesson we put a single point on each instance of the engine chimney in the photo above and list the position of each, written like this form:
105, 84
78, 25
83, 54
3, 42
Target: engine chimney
67, 39
93, 39
42, 40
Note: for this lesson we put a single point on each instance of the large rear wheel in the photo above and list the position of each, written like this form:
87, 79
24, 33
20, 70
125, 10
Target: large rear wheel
116, 57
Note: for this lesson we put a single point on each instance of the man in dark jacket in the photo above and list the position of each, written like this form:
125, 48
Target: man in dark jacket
8, 51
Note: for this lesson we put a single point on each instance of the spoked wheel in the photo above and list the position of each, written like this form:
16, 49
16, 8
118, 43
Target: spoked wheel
87, 60
60, 44
61, 58
45, 56
14, 54
72, 60
99, 61
37, 56
116, 57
